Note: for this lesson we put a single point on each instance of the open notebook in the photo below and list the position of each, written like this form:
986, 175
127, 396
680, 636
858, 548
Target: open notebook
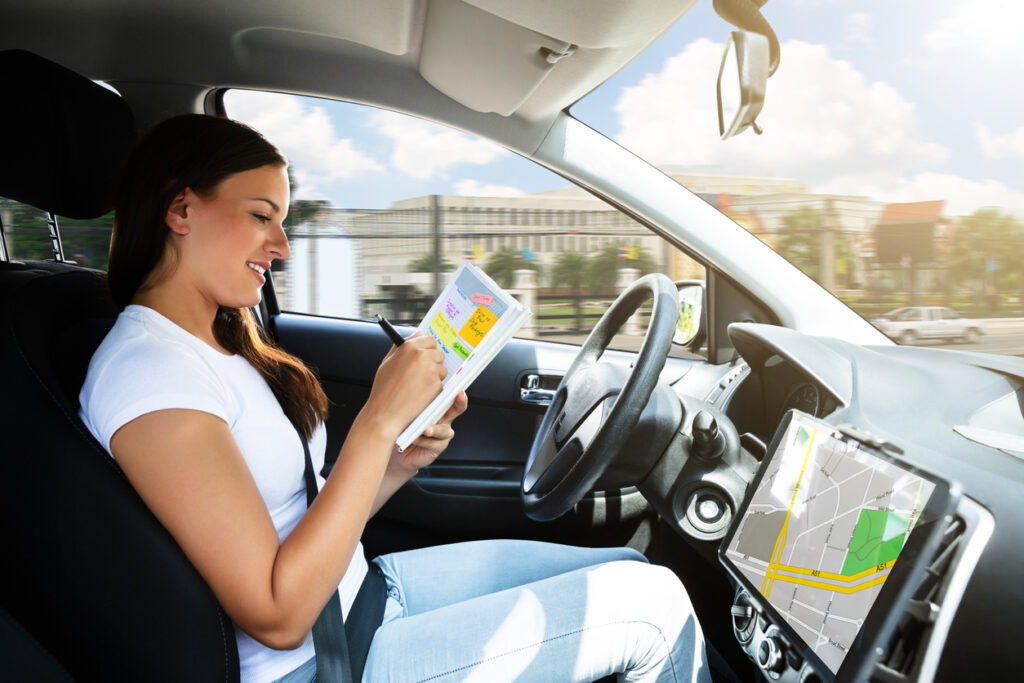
471, 321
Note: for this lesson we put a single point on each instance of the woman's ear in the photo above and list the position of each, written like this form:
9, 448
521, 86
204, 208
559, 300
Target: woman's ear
177, 213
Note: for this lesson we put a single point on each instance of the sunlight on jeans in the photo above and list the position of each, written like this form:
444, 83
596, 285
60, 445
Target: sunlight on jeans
524, 623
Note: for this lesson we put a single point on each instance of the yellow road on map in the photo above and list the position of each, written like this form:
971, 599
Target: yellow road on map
780, 542
830, 575
830, 586
771, 573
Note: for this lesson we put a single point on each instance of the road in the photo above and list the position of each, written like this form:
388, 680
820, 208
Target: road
1006, 344
1002, 335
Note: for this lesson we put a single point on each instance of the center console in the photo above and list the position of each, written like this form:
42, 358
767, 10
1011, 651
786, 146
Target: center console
828, 548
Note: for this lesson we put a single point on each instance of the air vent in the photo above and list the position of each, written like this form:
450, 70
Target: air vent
913, 652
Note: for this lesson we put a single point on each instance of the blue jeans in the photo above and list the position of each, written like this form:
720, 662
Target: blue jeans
525, 611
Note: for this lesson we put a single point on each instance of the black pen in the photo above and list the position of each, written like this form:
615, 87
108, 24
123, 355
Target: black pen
389, 330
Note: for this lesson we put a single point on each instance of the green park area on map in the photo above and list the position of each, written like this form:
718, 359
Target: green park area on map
877, 539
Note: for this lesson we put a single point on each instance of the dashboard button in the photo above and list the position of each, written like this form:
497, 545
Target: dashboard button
744, 619
769, 655
708, 510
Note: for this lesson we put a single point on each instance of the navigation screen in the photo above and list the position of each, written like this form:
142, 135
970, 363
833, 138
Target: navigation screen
824, 527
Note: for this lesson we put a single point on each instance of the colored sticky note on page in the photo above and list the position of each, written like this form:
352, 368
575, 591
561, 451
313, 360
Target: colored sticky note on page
443, 329
459, 348
485, 299
479, 323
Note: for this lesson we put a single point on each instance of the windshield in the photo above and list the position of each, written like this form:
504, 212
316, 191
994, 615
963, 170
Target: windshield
889, 169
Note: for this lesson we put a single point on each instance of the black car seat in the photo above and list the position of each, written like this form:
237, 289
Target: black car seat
88, 575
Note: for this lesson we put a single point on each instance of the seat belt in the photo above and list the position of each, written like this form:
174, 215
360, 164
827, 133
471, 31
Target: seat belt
329, 640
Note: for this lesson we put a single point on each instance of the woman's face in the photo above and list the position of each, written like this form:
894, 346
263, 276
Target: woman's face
227, 240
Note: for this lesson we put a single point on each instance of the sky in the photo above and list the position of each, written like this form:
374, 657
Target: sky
896, 100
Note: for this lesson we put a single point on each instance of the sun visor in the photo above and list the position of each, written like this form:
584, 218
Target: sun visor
534, 57
483, 61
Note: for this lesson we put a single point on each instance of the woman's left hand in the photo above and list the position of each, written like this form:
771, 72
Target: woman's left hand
425, 449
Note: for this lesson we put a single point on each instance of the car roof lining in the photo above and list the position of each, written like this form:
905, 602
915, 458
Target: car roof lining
451, 60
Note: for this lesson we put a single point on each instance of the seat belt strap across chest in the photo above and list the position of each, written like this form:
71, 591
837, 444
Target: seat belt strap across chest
329, 640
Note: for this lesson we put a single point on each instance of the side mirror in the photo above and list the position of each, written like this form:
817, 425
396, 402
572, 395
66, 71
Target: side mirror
742, 80
691, 329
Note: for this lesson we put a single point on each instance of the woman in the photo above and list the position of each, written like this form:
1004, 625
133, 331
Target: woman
202, 415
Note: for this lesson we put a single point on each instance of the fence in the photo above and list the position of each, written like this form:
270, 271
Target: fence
556, 314
359, 262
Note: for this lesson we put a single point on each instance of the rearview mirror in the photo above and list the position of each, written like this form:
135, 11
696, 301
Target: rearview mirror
692, 324
742, 79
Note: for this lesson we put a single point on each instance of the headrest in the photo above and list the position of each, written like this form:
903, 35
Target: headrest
63, 138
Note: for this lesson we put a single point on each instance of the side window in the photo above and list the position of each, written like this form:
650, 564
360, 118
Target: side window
27, 235
385, 206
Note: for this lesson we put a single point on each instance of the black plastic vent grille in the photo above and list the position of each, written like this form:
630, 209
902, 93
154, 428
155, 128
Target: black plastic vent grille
903, 655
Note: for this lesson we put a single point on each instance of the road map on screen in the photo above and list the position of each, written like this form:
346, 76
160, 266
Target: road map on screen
823, 529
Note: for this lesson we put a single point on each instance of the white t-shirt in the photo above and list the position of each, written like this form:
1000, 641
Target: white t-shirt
147, 363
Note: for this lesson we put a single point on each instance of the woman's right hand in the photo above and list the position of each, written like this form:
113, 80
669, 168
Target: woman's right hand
408, 379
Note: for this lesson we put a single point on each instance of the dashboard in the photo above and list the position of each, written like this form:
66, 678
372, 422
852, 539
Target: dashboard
759, 402
954, 417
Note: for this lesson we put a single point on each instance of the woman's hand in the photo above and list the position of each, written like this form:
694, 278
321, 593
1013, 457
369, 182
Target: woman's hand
408, 379
435, 438
423, 451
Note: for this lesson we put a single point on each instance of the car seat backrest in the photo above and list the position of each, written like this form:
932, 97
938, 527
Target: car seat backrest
24, 658
89, 574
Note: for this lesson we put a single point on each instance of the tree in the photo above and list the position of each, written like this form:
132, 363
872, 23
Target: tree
988, 247
799, 240
503, 264
570, 270
603, 268
302, 210
28, 237
86, 241
425, 264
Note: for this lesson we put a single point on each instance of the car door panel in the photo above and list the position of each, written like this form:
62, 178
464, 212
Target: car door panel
497, 427
472, 490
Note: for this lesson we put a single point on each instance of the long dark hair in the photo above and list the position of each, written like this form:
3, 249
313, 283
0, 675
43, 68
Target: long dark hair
198, 152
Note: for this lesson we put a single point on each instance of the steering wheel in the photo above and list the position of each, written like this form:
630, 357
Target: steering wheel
597, 404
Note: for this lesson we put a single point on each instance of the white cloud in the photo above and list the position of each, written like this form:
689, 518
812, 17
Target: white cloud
425, 150
822, 119
860, 29
474, 188
306, 135
989, 27
1005, 146
963, 196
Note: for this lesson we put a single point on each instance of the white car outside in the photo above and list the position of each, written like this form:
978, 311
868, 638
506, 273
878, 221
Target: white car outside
912, 323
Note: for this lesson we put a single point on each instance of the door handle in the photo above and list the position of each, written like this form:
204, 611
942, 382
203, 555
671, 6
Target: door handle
536, 397
531, 393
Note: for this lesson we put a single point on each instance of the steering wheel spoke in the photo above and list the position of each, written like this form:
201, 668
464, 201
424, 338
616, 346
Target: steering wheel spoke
591, 425
545, 454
